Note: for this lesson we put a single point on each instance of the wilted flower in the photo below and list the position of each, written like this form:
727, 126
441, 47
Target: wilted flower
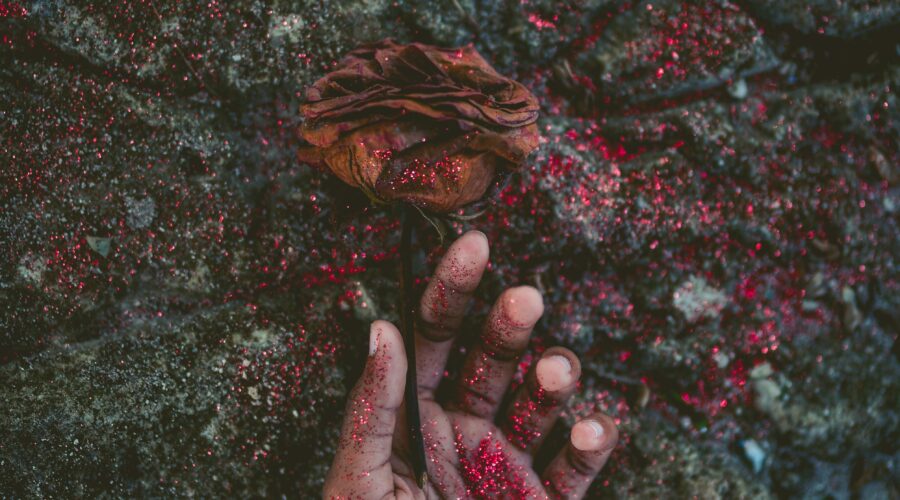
417, 123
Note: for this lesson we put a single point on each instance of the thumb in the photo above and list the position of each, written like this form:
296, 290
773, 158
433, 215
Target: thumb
362, 464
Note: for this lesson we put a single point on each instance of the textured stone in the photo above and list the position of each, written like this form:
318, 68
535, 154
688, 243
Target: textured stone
183, 305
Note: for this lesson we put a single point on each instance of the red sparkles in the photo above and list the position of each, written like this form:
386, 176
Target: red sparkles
489, 471
12, 9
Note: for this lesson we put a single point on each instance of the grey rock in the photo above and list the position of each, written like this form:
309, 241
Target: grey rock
181, 302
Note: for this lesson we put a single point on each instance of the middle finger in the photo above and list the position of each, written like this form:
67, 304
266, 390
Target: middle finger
491, 364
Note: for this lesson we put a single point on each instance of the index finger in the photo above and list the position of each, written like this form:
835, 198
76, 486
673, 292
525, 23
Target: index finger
444, 304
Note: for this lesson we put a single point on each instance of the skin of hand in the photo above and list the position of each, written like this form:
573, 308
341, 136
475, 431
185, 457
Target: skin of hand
473, 449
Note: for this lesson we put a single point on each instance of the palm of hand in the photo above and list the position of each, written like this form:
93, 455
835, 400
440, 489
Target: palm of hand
468, 454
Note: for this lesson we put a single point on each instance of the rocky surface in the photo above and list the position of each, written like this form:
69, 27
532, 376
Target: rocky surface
712, 218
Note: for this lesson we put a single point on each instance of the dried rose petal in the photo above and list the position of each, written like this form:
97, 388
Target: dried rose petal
418, 123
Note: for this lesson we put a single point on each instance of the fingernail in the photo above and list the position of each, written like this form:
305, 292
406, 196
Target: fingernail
374, 334
587, 435
554, 372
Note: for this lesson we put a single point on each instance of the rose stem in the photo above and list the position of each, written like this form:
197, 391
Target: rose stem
407, 315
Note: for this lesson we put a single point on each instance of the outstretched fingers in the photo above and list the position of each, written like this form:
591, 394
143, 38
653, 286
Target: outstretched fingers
590, 444
443, 307
362, 463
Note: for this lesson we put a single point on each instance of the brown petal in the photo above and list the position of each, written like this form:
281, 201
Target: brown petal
350, 79
442, 185
512, 146
359, 157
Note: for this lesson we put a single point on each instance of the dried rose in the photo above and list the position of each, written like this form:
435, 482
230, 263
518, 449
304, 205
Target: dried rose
417, 123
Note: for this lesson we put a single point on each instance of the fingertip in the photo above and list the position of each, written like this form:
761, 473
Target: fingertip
465, 261
474, 232
385, 338
473, 245
381, 326
595, 433
561, 371
554, 372
524, 305
587, 435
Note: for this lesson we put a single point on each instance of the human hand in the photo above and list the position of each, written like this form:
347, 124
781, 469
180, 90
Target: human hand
471, 450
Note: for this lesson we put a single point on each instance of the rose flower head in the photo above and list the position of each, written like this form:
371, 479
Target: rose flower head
430, 126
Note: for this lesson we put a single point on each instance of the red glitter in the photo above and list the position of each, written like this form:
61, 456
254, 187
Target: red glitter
521, 429
541, 23
12, 9
489, 472
430, 174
